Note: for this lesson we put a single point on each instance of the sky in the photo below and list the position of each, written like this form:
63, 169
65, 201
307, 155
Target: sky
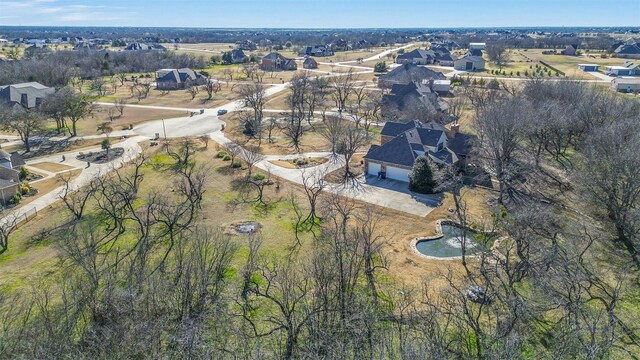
321, 13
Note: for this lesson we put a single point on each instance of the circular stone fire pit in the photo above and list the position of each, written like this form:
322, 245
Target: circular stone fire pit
244, 228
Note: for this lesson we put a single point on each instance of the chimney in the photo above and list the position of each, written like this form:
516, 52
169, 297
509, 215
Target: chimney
454, 129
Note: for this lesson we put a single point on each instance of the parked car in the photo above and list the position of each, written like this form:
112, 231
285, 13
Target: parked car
222, 112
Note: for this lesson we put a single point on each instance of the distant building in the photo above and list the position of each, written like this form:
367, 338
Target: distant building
275, 61
629, 50
408, 73
174, 79
570, 50
469, 63
317, 50
238, 56
246, 45
627, 85
28, 95
310, 63
417, 56
628, 69
589, 67
136, 46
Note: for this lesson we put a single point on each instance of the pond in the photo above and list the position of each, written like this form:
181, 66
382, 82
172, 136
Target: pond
449, 245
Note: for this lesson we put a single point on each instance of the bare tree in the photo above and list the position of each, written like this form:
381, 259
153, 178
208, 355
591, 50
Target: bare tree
193, 91
342, 88
212, 87
254, 98
350, 142
8, 223
22, 121
120, 104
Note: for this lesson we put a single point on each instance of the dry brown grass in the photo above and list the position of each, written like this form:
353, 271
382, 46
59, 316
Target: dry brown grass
51, 167
311, 141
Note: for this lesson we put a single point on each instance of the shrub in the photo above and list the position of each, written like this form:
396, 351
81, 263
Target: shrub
380, 67
24, 188
421, 178
24, 173
236, 165
15, 199
226, 158
258, 177
221, 154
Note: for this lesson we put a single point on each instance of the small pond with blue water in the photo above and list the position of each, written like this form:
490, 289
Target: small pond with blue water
450, 244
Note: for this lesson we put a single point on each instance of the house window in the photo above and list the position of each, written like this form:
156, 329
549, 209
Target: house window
38, 101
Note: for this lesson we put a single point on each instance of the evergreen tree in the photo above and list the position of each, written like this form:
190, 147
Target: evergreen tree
421, 178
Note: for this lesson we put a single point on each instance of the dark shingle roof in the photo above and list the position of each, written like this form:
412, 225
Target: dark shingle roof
397, 151
408, 73
461, 143
179, 76
391, 128
628, 49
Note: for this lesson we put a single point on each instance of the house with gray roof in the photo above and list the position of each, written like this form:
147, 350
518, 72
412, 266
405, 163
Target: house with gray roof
28, 95
317, 50
174, 79
417, 56
408, 73
412, 101
136, 46
402, 143
629, 50
469, 63
238, 56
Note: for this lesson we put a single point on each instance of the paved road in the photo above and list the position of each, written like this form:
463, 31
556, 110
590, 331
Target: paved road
131, 150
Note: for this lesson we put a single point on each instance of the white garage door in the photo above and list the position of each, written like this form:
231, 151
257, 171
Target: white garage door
398, 174
374, 169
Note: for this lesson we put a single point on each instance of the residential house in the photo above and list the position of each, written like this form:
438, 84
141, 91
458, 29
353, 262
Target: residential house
246, 45
402, 143
628, 69
626, 85
238, 56
570, 50
310, 63
174, 79
408, 73
442, 56
136, 46
447, 44
416, 100
317, 50
475, 49
589, 67
469, 63
417, 56
9, 175
275, 61
629, 50
28, 95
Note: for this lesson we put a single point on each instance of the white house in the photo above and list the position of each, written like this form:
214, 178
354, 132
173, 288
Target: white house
589, 67
626, 84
